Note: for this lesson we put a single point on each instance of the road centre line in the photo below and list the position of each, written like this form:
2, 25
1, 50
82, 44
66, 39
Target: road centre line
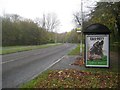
18, 58
4, 62
13, 60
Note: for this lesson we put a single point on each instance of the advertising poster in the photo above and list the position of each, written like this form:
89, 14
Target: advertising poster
97, 50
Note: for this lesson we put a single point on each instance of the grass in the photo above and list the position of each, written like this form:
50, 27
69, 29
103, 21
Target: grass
71, 78
75, 51
14, 49
115, 46
34, 82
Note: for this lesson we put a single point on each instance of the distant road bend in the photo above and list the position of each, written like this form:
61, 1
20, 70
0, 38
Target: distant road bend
18, 68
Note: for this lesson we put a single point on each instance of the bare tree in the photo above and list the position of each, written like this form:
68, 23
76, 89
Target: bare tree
41, 21
48, 21
51, 22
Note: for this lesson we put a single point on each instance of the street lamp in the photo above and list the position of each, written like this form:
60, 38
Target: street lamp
81, 25
79, 30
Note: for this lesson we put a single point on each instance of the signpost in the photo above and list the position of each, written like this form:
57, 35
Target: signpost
79, 32
97, 46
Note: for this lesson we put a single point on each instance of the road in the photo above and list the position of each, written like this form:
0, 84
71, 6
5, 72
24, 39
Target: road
18, 68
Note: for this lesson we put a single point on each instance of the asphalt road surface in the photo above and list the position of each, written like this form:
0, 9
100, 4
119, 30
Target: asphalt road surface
18, 68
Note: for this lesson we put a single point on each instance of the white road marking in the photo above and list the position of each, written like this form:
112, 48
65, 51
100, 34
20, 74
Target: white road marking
48, 67
17, 59
13, 60
54, 63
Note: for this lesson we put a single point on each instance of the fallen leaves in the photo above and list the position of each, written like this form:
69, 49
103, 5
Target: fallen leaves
71, 78
79, 61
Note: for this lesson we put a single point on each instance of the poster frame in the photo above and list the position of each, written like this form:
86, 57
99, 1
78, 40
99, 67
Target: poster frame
85, 52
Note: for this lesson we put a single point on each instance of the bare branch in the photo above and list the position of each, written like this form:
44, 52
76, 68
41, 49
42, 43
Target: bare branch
77, 18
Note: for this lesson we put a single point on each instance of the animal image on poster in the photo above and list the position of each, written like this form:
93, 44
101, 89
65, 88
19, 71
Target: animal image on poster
97, 53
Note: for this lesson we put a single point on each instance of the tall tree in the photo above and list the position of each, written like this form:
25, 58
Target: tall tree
21, 31
108, 13
51, 22
48, 21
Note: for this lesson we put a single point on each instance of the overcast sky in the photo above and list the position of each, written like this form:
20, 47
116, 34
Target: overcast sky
32, 9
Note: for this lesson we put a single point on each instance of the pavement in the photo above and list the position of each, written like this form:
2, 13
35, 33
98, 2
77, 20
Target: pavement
65, 63
18, 68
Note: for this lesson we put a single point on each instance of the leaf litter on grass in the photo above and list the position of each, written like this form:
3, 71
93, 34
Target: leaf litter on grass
70, 78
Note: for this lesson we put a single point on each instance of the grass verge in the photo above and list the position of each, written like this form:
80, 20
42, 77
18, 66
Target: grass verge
13, 49
75, 51
71, 78
34, 82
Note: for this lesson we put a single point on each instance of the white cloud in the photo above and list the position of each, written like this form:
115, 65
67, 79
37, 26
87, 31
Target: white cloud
35, 8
